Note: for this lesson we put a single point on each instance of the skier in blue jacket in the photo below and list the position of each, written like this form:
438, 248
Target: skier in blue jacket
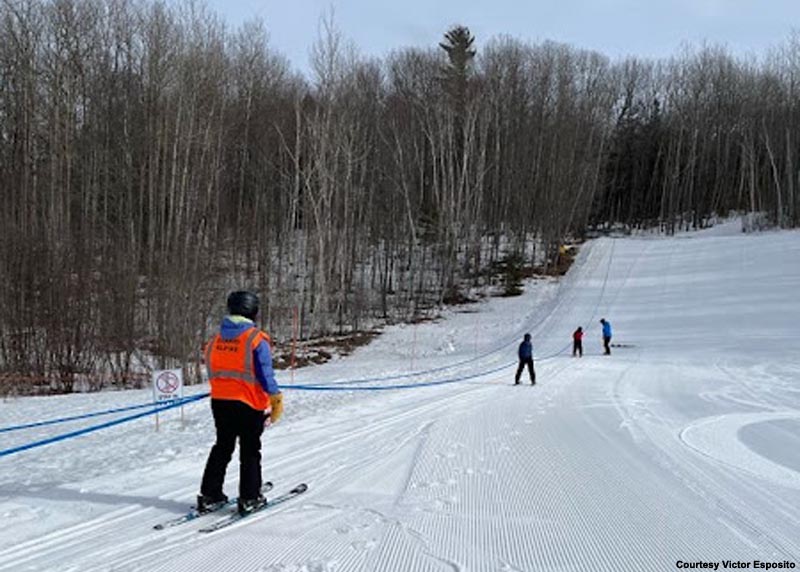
525, 354
606, 335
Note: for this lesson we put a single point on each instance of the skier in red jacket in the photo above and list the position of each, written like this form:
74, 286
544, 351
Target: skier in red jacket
577, 342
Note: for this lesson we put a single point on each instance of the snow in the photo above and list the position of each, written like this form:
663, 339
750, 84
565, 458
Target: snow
681, 445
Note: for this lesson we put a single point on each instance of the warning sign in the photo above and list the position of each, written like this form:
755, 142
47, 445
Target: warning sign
167, 385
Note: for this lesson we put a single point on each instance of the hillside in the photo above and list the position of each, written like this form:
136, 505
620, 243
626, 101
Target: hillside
682, 446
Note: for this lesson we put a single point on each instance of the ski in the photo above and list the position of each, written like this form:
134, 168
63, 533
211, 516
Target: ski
236, 516
194, 513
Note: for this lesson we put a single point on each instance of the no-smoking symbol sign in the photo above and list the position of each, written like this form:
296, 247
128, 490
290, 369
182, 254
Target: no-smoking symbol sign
168, 384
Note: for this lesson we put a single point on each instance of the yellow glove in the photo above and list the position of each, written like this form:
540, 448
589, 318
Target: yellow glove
276, 403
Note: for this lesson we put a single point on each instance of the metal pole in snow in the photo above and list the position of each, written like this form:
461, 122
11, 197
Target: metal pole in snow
183, 377
477, 323
155, 403
294, 341
414, 345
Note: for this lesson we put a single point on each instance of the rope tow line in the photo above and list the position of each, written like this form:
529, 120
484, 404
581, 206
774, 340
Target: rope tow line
70, 435
178, 403
87, 415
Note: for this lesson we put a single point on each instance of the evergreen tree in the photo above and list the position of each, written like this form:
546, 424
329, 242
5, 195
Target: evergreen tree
458, 45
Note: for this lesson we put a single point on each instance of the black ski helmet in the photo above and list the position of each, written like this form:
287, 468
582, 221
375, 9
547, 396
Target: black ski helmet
243, 303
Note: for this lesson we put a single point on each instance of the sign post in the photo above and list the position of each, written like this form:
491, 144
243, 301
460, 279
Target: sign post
167, 387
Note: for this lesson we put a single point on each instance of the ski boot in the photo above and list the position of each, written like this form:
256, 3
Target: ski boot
207, 503
249, 505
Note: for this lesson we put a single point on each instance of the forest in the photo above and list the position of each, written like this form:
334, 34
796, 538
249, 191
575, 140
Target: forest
153, 158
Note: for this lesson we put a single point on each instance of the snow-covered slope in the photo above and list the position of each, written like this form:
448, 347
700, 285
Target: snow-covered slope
681, 446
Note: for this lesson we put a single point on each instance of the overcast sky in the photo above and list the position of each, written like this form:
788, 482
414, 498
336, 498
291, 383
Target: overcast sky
613, 27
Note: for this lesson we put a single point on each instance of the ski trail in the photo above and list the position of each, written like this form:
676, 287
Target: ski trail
631, 462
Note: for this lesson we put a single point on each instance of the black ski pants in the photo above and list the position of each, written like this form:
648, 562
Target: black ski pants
522, 364
577, 348
235, 419
607, 344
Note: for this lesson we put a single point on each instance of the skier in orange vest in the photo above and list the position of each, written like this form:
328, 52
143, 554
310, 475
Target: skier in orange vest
244, 396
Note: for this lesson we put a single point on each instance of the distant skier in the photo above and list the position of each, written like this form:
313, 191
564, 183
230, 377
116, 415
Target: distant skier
606, 335
244, 394
525, 354
577, 342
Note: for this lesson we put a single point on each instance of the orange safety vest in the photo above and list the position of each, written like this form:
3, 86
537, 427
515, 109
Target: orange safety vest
231, 371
